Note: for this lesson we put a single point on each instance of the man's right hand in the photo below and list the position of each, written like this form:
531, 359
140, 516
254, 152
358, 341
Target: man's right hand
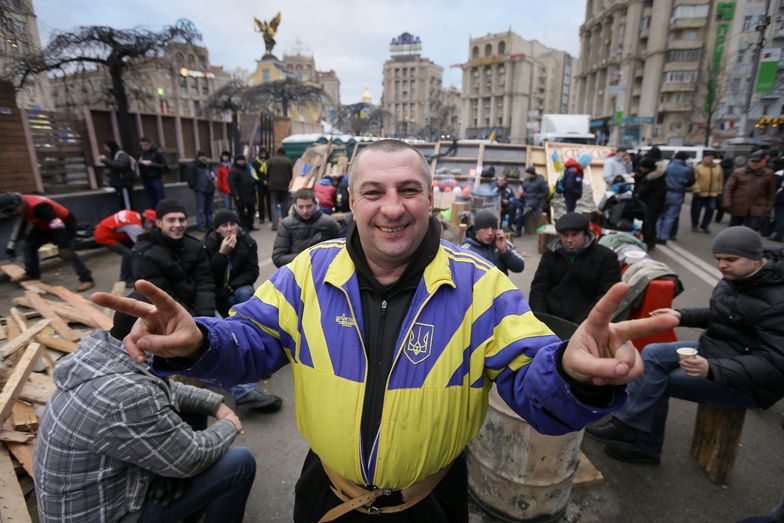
164, 327
225, 412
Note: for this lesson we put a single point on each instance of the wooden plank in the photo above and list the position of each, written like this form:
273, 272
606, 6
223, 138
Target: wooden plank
38, 389
12, 270
63, 310
23, 452
17, 379
18, 317
587, 474
24, 416
3, 334
33, 286
23, 339
80, 304
118, 289
46, 311
15, 436
13, 327
57, 344
13, 507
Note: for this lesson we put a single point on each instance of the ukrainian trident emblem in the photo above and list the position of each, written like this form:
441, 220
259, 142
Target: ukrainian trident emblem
419, 342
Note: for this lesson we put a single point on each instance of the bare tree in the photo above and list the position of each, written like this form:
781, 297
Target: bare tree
360, 118
229, 98
89, 49
278, 96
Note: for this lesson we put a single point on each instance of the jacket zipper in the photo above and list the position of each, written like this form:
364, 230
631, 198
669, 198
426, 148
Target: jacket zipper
392, 369
362, 464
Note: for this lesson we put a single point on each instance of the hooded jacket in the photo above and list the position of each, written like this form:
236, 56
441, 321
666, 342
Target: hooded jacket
510, 261
569, 285
110, 428
179, 267
535, 190
295, 235
744, 333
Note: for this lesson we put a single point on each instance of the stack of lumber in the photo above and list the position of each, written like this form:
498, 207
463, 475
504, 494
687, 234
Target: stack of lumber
45, 323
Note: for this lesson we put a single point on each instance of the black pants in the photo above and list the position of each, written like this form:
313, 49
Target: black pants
261, 199
246, 213
446, 504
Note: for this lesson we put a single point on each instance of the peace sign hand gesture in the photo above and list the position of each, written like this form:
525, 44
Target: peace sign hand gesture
164, 327
601, 352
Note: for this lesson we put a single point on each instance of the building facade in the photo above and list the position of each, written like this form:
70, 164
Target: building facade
19, 36
508, 83
178, 83
650, 71
412, 87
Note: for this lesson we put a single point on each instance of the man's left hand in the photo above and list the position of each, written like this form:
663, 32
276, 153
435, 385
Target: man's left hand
500, 242
697, 366
601, 352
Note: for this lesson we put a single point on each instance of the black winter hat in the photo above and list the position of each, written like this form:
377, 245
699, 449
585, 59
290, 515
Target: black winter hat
738, 240
169, 205
572, 221
224, 216
530, 169
123, 323
484, 219
649, 163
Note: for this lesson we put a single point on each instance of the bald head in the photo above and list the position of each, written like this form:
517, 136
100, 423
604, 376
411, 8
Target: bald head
389, 147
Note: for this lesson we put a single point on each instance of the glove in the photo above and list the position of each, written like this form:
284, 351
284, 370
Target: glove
164, 490
10, 252
66, 254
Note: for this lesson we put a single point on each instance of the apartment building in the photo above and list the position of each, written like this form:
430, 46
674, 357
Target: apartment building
19, 36
509, 82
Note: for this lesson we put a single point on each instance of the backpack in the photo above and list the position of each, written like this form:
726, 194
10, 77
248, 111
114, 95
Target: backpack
559, 185
133, 169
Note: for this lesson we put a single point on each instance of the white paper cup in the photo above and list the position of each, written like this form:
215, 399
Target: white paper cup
685, 353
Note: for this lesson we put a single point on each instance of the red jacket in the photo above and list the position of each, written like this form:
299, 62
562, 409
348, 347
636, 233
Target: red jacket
222, 181
106, 232
325, 194
44, 225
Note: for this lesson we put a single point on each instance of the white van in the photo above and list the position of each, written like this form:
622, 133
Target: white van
668, 151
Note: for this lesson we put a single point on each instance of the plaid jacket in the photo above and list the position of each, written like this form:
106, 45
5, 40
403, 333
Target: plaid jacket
110, 428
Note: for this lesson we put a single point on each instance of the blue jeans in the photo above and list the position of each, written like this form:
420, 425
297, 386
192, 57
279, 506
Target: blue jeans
279, 206
698, 203
646, 408
221, 492
153, 190
204, 209
666, 221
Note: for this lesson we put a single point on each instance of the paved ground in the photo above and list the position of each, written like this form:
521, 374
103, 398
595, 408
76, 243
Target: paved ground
675, 491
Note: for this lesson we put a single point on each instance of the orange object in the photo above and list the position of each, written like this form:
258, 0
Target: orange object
658, 295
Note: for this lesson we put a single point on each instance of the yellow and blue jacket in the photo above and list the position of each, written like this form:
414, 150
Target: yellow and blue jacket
467, 327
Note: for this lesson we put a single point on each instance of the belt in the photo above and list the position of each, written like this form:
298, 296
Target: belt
357, 498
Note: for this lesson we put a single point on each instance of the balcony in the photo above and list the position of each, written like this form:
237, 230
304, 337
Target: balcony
688, 23
678, 88
672, 107
684, 44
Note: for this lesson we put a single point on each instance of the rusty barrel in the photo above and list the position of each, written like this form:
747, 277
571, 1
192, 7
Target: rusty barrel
516, 473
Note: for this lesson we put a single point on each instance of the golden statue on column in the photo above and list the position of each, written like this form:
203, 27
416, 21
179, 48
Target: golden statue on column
268, 31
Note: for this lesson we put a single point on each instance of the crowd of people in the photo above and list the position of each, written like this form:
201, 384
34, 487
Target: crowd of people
379, 284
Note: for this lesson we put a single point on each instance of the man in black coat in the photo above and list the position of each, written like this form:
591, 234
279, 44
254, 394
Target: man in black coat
234, 261
652, 191
174, 261
280, 170
487, 240
243, 192
306, 227
201, 181
739, 361
151, 167
574, 272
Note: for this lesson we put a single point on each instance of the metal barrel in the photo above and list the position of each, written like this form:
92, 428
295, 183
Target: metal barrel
516, 473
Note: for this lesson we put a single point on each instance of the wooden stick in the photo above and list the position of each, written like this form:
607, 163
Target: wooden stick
57, 344
63, 310
17, 379
17, 316
33, 286
80, 304
12, 501
15, 436
23, 452
38, 389
12, 270
3, 334
23, 339
46, 311
12, 327
24, 416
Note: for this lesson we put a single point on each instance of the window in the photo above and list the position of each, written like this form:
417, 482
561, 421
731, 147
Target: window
621, 30
488, 50
194, 86
690, 11
502, 47
645, 23
684, 55
680, 77
647, 3
183, 83
205, 86
690, 35
475, 53
749, 23
265, 76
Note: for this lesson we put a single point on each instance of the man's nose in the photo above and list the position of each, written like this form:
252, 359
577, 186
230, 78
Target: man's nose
392, 206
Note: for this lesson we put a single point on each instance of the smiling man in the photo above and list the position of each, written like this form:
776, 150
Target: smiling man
395, 338
740, 361
306, 227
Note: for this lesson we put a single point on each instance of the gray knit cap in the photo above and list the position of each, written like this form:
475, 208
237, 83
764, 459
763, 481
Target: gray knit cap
738, 240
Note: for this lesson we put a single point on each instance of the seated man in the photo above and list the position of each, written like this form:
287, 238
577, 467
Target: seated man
112, 440
487, 240
306, 227
234, 259
574, 272
740, 361
508, 200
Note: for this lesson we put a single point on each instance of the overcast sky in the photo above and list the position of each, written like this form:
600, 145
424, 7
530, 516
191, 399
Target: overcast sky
350, 36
